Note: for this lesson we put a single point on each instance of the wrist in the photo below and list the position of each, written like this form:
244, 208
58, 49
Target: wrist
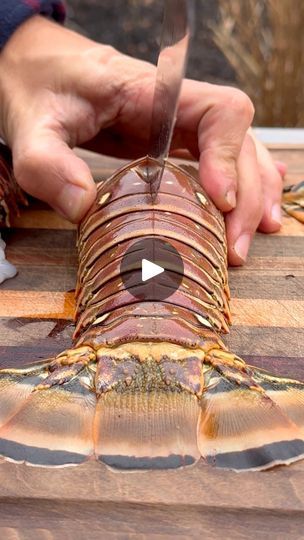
14, 13
34, 33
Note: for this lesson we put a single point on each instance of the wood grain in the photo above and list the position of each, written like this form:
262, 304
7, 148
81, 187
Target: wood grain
266, 341
30, 277
38, 305
39, 216
268, 285
286, 313
90, 501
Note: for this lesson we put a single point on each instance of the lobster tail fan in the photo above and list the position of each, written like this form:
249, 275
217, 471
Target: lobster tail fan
123, 412
254, 427
143, 418
287, 394
45, 424
55, 414
155, 430
293, 201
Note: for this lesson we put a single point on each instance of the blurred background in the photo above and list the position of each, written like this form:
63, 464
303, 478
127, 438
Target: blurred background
257, 45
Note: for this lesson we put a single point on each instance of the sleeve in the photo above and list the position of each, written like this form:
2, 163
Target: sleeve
15, 12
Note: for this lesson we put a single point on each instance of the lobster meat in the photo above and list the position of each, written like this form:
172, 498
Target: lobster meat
150, 383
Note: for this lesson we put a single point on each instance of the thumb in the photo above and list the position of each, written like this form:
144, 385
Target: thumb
48, 169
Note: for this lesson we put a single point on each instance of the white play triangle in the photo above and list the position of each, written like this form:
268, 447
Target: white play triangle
149, 269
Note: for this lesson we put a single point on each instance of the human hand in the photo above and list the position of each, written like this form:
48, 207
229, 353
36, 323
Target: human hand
59, 89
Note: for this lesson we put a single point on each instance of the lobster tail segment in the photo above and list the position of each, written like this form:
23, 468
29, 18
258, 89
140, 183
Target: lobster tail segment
155, 430
46, 414
250, 420
147, 412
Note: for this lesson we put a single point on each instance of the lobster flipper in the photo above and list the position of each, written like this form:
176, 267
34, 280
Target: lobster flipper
293, 201
250, 420
46, 414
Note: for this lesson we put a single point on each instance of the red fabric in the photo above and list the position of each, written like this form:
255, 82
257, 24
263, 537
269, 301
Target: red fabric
34, 4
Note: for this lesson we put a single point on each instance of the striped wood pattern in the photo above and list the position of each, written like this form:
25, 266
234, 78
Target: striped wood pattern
36, 310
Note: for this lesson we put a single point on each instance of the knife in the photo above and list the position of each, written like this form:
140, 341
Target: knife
177, 28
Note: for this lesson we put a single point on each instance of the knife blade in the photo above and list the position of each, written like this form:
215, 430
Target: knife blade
177, 28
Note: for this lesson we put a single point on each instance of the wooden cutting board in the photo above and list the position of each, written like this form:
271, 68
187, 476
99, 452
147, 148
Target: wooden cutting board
36, 312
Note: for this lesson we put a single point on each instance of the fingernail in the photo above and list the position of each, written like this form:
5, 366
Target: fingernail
231, 198
241, 246
70, 201
276, 214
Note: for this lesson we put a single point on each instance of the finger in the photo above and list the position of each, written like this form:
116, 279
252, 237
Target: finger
272, 190
221, 117
48, 169
281, 167
242, 222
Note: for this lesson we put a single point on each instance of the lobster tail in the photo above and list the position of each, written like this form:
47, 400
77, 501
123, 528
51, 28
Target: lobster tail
11, 195
148, 383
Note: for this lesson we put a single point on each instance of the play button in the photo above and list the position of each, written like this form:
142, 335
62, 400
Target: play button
151, 269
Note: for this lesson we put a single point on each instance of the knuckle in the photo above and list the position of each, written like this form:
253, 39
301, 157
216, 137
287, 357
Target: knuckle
271, 178
241, 104
100, 54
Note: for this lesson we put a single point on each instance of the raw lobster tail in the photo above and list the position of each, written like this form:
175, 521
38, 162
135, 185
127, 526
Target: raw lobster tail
148, 382
11, 195
293, 201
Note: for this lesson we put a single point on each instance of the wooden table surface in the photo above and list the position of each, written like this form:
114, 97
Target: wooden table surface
89, 501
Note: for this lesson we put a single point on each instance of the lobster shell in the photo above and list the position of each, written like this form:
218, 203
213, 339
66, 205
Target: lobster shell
11, 196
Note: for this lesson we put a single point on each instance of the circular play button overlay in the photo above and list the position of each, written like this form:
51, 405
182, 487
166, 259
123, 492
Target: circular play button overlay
151, 269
